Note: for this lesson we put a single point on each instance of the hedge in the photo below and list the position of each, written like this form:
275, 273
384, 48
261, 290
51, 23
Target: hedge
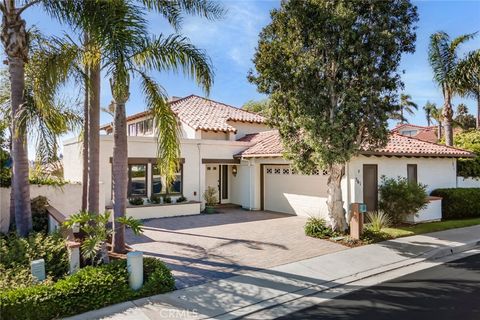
459, 202
88, 289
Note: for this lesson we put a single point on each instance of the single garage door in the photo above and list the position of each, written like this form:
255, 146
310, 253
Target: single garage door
288, 191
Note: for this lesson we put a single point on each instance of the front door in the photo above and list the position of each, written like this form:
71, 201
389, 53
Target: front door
212, 177
370, 186
224, 184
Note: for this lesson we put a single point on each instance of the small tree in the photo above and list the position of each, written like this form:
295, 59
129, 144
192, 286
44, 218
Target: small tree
330, 69
399, 198
260, 107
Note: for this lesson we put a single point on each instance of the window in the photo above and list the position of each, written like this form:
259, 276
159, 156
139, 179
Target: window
409, 133
132, 130
159, 184
412, 173
140, 128
148, 126
137, 180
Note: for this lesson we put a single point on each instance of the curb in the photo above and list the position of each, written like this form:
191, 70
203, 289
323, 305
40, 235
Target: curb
433, 254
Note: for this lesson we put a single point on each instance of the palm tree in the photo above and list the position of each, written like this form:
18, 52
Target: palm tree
43, 117
443, 60
437, 115
406, 106
138, 55
14, 39
429, 108
468, 76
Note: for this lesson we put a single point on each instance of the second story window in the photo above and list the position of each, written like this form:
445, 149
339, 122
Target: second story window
132, 129
141, 128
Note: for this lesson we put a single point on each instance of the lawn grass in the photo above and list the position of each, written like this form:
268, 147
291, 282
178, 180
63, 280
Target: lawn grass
420, 228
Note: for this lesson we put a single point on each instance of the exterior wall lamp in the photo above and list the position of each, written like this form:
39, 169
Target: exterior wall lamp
234, 170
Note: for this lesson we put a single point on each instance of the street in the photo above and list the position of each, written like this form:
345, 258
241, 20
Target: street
448, 291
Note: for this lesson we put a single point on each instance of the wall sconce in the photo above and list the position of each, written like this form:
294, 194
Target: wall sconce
234, 171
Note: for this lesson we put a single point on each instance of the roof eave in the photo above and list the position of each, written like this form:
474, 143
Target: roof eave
416, 155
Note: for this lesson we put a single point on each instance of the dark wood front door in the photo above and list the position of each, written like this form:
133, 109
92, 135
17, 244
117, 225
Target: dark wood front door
370, 186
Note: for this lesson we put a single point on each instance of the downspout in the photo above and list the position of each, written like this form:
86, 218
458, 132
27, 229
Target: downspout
347, 178
199, 172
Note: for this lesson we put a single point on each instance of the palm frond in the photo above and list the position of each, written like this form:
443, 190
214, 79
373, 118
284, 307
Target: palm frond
165, 122
176, 53
172, 9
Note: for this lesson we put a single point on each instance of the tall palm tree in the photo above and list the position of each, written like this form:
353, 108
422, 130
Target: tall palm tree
443, 59
14, 39
137, 56
429, 107
437, 115
468, 76
407, 106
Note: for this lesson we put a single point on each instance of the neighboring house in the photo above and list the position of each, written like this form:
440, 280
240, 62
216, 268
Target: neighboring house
425, 133
236, 153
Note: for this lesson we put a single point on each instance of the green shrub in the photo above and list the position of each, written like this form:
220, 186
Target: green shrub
399, 198
459, 202
88, 289
16, 254
167, 199
157, 278
39, 214
377, 220
317, 228
181, 199
136, 201
468, 167
155, 198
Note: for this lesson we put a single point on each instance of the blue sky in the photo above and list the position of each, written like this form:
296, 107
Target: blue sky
231, 43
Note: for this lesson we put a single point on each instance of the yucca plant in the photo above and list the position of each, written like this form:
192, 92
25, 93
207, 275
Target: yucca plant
377, 220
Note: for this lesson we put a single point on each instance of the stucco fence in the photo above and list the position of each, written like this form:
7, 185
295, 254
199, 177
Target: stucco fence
66, 199
468, 182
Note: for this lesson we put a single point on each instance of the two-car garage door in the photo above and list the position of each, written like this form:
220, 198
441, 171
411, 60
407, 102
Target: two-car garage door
287, 191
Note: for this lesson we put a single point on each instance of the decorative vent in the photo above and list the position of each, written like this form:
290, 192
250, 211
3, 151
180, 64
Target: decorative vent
324, 172
269, 170
277, 171
286, 171
316, 172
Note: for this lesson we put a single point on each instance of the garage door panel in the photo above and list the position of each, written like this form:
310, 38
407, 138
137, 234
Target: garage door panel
289, 192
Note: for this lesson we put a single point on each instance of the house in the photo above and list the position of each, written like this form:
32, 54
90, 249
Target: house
235, 152
426, 133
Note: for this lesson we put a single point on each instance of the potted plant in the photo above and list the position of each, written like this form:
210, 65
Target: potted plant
210, 197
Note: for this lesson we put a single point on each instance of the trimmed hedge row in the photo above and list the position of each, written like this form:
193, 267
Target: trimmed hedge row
88, 289
459, 202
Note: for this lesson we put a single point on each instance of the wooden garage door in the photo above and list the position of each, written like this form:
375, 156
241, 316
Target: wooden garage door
287, 191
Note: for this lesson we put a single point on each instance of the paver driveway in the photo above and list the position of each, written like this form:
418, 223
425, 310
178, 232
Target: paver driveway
204, 248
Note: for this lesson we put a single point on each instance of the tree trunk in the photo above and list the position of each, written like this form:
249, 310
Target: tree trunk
478, 109
94, 140
120, 175
334, 198
14, 39
85, 145
447, 113
439, 130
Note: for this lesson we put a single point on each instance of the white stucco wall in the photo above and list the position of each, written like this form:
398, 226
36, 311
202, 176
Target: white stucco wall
244, 128
433, 212
66, 199
468, 182
192, 150
434, 172
212, 135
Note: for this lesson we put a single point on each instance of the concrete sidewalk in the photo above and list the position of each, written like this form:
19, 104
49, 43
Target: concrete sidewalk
253, 291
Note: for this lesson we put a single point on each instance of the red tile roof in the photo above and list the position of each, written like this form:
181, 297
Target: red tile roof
269, 144
205, 114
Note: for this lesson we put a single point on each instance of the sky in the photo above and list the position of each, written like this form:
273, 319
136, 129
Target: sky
231, 42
